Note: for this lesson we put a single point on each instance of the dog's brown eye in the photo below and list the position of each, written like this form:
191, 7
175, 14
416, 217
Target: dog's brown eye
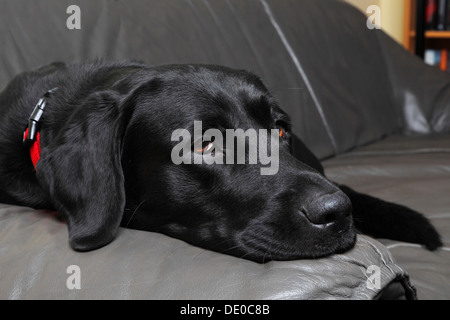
206, 147
282, 132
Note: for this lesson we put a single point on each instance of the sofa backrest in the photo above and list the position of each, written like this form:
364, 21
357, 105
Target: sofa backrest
320, 60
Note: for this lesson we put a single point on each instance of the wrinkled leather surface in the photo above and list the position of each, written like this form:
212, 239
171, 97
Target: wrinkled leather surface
344, 86
413, 171
35, 256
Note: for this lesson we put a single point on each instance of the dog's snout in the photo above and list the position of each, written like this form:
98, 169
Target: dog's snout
328, 209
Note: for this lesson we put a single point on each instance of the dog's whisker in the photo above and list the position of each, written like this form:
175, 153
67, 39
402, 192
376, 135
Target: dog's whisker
135, 210
267, 252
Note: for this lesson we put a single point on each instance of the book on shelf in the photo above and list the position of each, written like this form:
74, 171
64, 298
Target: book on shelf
438, 58
437, 15
448, 15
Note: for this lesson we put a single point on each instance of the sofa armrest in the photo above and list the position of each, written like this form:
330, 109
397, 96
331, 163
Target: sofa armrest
422, 91
35, 258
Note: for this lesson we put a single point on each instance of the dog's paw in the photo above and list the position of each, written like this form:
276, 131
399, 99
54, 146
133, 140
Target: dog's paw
416, 228
428, 236
382, 219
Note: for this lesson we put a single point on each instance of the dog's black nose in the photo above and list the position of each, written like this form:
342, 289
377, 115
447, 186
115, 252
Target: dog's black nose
328, 208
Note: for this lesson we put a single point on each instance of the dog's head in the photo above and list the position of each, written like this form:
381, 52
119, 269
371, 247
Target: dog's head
157, 152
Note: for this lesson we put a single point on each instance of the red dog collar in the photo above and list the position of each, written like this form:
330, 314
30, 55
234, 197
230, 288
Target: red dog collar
31, 137
35, 149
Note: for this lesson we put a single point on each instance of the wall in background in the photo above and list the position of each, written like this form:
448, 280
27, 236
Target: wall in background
392, 15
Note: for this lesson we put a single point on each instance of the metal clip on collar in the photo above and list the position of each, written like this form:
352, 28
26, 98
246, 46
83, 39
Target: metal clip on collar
36, 115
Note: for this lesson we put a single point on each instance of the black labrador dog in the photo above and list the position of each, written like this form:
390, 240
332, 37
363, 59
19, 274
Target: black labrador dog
104, 159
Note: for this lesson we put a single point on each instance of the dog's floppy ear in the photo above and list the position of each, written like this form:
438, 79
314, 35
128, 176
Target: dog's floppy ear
81, 169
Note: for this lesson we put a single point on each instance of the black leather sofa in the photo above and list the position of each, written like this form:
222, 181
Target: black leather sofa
377, 115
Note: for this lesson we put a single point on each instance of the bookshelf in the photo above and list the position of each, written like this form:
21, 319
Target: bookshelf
421, 36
